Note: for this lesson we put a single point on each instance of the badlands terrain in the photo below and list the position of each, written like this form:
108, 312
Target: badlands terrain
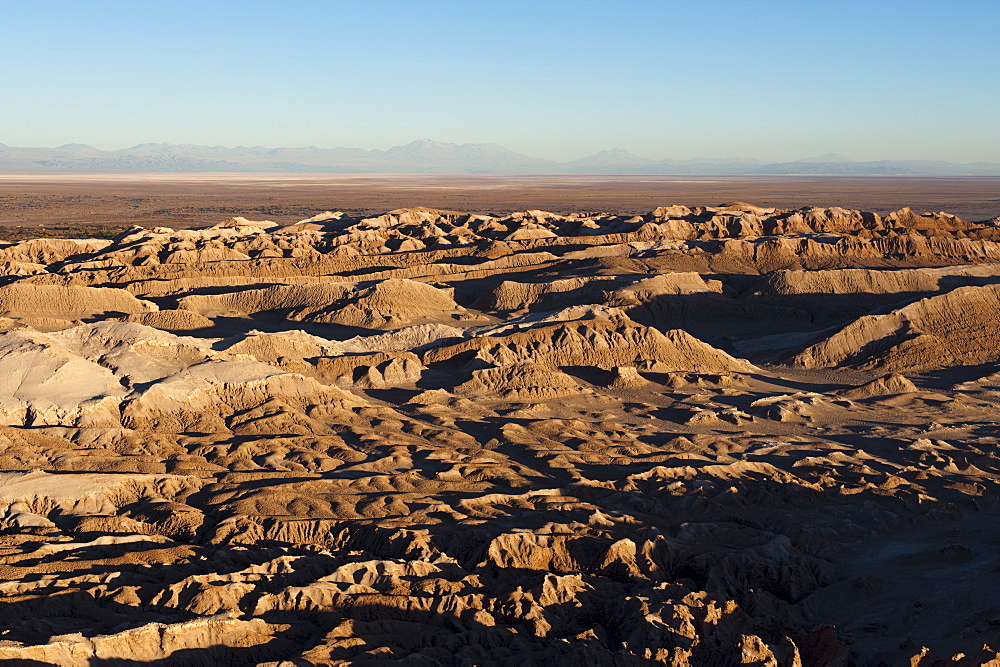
716, 435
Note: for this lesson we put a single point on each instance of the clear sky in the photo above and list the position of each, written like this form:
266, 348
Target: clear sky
776, 80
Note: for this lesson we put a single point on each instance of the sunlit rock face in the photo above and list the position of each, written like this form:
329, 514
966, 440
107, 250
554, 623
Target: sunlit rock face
696, 435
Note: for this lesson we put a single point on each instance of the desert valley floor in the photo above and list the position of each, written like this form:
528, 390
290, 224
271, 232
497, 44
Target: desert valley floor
733, 434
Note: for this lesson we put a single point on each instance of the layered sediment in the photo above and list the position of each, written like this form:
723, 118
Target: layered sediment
696, 435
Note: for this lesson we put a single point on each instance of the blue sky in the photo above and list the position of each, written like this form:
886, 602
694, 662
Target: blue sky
773, 80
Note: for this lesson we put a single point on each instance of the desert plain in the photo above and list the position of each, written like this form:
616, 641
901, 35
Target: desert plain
183, 200
437, 421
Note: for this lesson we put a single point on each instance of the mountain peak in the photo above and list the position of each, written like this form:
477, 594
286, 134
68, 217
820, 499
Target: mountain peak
433, 156
422, 146
827, 158
614, 157
77, 148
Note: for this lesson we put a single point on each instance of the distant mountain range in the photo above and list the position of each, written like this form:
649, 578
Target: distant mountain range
435, 157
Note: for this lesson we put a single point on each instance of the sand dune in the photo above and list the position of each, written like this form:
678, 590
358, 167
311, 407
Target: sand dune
696, 435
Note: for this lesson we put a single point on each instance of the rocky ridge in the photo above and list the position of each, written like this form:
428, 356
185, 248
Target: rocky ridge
697, 435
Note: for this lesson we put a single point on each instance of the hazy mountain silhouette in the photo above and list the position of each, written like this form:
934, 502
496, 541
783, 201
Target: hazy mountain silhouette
436, 157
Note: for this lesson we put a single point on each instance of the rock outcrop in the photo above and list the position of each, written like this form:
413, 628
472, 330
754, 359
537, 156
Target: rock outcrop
432, 437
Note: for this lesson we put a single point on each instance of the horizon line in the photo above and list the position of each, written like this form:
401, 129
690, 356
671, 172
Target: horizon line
763, 162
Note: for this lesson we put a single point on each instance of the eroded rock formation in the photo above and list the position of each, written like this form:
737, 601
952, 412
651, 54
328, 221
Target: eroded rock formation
699, 435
